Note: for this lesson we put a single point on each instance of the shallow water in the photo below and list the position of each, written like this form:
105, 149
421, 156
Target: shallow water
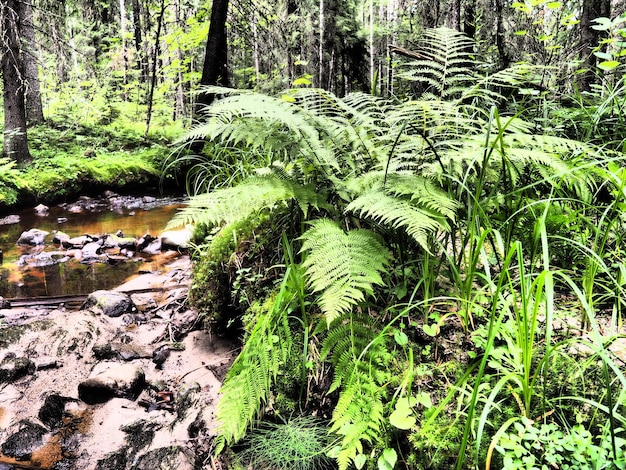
73, 277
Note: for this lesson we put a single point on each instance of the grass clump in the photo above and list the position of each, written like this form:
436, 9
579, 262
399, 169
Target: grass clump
298, 444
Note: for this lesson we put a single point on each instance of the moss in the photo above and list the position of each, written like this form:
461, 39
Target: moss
230, 266
10, 334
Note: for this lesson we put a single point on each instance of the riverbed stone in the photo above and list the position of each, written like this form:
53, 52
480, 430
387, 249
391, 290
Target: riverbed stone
78, 242
33, 237
176, 239
42, 210
13, 368
52, 410
125, 381
109, 303
4, 303
10, 220
165, 458
28, 438
91, 252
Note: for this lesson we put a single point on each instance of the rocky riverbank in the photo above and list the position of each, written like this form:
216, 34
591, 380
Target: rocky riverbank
129, 380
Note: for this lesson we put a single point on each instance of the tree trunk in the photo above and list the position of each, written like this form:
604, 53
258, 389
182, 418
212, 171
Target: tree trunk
320, 52
34, 108
215, 68
453, 19
140, 64
15, 138
590, 39
155, 64
123, 31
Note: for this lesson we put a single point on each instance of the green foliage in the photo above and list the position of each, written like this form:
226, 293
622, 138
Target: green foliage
361, 360
342, 266
11, 182
301, 443
227, 205
531, 444
248, 383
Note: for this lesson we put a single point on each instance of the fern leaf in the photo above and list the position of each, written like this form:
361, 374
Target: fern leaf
342, 266
225, 205
398, 213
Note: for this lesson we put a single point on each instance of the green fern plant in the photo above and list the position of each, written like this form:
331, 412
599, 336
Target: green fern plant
249, 380
342, 266
361, 358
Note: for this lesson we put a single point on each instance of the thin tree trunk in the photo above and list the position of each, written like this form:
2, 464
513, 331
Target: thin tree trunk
123, 31
15, 144
34, 108
320, 54
140, 64
155, 64
179, 104
372, 50
590, 39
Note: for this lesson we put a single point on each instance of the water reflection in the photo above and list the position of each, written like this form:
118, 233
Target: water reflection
73, 277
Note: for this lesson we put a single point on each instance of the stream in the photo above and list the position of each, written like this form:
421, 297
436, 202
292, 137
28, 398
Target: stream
133, 216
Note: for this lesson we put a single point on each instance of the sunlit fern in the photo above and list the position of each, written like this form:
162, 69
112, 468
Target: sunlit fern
361, 360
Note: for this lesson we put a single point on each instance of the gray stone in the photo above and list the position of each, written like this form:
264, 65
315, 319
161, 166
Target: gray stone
4, 303
10, 220
92, 251
42, 210
176, 239
25, 441
125, 381
78, 242
60, 237
109, 303
165, 458
32, 237
13, 368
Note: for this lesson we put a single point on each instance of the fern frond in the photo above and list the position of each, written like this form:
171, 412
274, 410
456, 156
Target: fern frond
234, 203
249, 380
342, 266
361, 360
448, 65
398, 213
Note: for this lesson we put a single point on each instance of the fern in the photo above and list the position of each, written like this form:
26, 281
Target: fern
342, 266
225, 205
249, 380
361, 359
447, 68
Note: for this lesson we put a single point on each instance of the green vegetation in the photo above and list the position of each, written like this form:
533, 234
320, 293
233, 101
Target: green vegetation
450, 293
72, 152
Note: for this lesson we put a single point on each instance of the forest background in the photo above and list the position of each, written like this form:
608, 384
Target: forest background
411, 212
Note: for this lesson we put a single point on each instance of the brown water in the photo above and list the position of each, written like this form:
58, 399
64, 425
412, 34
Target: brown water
73, 277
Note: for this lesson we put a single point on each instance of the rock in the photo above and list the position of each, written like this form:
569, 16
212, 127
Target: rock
165, 458
10, 220
125, 381
109, 303
153, 248
32, 237
176, 239
128, 243
109, 194
42, 210
145, 241
25, 441
61, 220
4, 303
51, 413
91, 252
160, 355
103, 351
13, 368
60, 237
148, 199
78, 242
